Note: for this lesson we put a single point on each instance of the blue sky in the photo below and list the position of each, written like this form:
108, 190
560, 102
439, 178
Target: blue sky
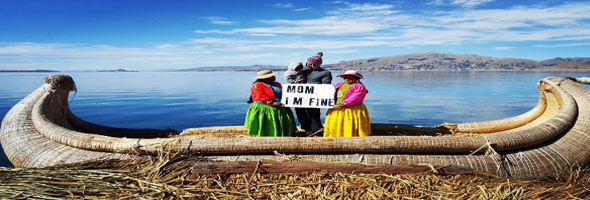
150, 35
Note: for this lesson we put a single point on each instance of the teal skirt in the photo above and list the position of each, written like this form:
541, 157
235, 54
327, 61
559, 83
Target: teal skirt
263, 120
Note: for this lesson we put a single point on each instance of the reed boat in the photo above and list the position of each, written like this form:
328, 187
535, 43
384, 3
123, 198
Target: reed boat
551, 138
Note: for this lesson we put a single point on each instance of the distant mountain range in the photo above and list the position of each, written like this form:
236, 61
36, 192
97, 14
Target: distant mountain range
234, 68
117, 70
43, 70
429, 61
33, 70
432, 61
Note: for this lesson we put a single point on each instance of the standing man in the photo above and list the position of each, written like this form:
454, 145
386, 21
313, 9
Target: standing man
315, 75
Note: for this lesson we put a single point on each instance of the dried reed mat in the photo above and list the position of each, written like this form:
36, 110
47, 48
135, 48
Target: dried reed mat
215, 132
170, 177
379, 129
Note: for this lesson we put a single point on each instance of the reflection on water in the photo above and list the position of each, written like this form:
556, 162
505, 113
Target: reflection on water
181, 100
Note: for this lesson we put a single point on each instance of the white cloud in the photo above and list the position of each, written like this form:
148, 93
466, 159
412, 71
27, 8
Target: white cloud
181, 55
323, 26
566, 15
285, 43
503, 48
343, 32
368, 7
470, 3
290, 5
379, 25
513, 24
213, 31
219, 20
437, 2
301, 9
284, 5
77, 56
222, 22
167, 46
252, 56
462, 3
261, 34
563, 45
344, 51
225, 41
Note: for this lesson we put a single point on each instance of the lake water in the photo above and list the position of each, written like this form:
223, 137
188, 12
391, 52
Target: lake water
182, 100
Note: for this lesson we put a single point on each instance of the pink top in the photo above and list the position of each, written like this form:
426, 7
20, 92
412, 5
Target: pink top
355, 94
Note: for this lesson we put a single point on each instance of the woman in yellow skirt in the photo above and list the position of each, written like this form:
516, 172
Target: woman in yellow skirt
349, 117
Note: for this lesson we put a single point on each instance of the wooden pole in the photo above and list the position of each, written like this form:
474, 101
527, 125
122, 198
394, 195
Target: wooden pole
268, 166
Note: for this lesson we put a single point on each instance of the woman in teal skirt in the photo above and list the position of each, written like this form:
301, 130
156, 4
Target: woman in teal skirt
266, 116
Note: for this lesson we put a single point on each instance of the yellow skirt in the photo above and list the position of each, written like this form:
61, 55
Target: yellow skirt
351, 121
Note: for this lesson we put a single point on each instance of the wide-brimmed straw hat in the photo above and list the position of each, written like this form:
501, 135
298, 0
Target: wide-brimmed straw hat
264, 74
351, 73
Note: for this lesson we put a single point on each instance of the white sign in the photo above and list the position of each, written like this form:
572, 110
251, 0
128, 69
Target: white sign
308, 95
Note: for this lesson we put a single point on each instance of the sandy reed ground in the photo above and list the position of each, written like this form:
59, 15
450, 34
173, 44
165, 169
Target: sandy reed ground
170, 177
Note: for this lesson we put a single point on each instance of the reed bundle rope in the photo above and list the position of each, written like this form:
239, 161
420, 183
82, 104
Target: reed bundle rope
537, 151
25, 147
502, 124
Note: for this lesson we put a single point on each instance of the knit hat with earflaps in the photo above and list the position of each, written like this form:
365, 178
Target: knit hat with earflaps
316, 61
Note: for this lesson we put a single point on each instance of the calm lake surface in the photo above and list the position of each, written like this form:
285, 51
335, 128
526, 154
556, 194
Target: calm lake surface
181, 100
